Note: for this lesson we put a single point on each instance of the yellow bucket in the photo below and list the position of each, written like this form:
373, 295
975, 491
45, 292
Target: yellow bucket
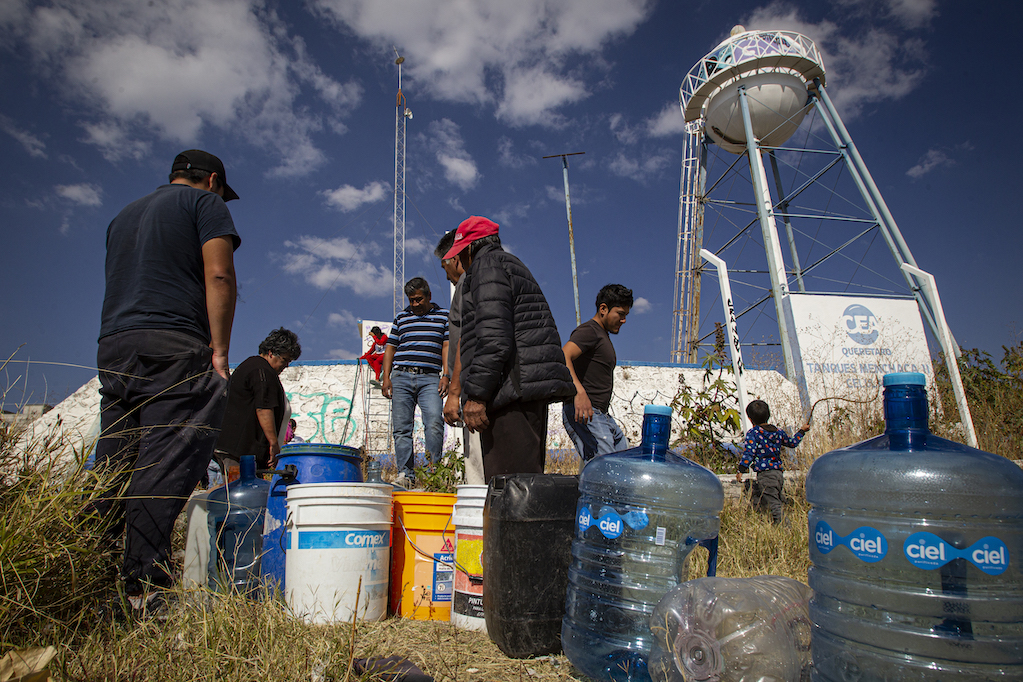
422, 555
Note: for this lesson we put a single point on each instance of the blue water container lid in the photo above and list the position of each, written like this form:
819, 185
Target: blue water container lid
662, 410
904, 378
325, 449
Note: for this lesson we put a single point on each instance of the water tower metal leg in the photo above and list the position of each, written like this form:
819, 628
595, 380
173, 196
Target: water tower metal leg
765, 211
875, 202
783, 204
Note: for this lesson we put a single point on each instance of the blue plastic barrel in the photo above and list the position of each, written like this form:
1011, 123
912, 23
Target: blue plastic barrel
314, 463
917, 551
641, 513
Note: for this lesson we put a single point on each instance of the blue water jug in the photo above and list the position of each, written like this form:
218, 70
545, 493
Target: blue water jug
916, 544
641, 512
236, 529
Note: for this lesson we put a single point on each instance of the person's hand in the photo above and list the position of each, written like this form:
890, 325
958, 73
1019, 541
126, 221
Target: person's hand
442, 385
804, 428
385, 387
275, 449
452, 410
220, 364
583, 408
475, 415
738, 475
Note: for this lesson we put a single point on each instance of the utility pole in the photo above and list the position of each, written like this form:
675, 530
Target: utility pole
402, 114
571, 237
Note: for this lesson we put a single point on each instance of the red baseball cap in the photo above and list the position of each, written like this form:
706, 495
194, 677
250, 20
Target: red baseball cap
472, 228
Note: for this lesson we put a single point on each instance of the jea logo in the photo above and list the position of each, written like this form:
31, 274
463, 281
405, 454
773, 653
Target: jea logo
860, 324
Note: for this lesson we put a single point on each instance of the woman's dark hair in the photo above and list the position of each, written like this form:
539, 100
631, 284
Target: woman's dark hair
376, 331
282, 342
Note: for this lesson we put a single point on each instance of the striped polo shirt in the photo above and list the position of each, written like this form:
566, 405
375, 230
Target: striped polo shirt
418, 339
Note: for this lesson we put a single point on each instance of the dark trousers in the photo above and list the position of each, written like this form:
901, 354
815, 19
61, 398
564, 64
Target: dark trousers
516, 442
767, 492
162, 405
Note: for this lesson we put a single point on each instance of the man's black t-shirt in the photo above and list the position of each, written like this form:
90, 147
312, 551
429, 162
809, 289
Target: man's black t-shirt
154, 267
254, 385
596, 366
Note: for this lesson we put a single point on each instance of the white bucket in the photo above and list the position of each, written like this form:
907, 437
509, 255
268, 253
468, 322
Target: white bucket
195, 572
338, 540
467, 605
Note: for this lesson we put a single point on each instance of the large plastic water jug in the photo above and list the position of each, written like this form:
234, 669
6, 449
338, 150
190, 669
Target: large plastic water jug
916, 544
235, 512
732, 630
641, 513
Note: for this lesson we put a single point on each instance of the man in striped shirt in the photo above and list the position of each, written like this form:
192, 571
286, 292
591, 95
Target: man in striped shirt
417, 351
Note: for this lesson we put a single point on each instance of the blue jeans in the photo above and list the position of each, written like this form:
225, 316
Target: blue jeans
601, 436
409, 390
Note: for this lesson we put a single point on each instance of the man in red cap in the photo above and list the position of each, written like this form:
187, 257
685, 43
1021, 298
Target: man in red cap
512, 365
163, 357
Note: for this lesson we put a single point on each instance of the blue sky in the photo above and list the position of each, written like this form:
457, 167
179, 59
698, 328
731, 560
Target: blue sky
298, 100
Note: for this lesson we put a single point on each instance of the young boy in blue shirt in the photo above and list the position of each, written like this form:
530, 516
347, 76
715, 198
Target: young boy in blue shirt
762, 449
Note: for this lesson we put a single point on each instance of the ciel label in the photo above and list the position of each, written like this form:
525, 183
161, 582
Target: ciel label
928, 551
866, 543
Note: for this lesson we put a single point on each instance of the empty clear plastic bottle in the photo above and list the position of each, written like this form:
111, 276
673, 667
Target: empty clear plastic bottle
641, 512
235, 520
916, 544
732, 630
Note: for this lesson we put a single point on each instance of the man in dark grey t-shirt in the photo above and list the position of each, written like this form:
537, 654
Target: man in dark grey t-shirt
163, 358
591, 359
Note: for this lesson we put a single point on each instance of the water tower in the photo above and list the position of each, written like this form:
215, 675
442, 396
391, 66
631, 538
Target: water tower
757, 95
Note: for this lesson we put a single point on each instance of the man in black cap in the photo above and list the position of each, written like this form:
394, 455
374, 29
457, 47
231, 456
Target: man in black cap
163, 357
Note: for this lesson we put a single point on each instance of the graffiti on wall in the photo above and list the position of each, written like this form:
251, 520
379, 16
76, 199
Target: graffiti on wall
332, 415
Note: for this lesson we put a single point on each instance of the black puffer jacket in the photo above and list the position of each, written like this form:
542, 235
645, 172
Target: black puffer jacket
510, 347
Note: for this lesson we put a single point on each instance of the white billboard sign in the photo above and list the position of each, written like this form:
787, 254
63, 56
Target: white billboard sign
844, 345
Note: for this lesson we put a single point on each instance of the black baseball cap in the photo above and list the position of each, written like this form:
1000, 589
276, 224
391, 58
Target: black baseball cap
200, 160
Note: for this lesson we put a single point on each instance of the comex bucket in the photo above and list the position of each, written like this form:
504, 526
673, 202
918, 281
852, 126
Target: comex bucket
422, 555
338, 551
467, 603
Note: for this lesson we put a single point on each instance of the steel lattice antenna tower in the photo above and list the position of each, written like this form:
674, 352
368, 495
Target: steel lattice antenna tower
401, 114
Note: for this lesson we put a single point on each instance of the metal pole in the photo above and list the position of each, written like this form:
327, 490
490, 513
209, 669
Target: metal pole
783, 204
734, 347
930, 290
571, 236
765, 211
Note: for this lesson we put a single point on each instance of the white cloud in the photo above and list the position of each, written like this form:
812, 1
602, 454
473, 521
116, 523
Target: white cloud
347, 198
934, 158
639, 169
640, 305
174, 69
444, 139
622, 131
83, 194
867, 61
507, 156
418, 245
341, 354
342, 319
521, 58
667, 122
32, 144
337, 262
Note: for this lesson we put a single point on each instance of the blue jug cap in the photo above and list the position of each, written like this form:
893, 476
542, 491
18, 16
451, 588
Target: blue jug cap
662, 410
910, 378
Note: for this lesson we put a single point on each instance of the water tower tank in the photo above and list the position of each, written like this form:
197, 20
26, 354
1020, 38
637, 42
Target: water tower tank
775, 67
